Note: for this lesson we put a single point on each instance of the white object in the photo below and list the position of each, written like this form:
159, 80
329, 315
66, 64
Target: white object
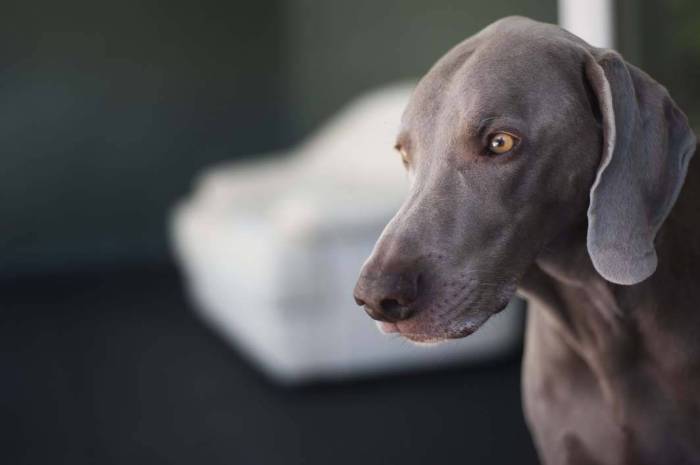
591, 20
272, 250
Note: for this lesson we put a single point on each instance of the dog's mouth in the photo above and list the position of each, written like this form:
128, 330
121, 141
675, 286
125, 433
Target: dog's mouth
424, 330
449, 309
433, 332
424, 338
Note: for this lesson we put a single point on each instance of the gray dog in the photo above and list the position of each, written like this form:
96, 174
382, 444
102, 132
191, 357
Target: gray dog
541, 164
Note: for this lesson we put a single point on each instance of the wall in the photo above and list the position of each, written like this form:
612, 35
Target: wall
667, 47
336, 49
108, 108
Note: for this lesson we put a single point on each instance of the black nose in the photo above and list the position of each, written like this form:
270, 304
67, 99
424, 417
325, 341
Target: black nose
387, 296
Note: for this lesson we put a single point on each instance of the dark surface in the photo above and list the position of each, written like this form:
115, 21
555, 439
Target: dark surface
115, 368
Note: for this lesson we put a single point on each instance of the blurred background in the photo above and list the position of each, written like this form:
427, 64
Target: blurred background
109, 112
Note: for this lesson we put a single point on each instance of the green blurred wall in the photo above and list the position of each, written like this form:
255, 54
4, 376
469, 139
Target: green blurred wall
663, 38
335, 49
108, 109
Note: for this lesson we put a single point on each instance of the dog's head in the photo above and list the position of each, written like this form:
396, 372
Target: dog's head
514, 137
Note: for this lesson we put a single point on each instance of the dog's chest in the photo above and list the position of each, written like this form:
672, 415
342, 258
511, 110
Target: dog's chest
599, 406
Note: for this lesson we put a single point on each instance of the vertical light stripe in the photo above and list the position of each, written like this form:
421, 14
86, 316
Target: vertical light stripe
592, 20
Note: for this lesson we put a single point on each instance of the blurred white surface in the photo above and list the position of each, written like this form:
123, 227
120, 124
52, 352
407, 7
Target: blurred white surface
271, 251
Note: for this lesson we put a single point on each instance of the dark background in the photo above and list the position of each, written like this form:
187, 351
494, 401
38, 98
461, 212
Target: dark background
107, 112
114, 368
108, 109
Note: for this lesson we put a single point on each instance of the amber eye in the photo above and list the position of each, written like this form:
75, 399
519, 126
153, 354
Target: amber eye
501, 142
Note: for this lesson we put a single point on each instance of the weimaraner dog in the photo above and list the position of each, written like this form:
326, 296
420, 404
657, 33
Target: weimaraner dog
541, 164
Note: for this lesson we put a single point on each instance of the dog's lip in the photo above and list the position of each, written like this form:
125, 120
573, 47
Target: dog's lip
427, 337
468, 325
387, 328
449, 332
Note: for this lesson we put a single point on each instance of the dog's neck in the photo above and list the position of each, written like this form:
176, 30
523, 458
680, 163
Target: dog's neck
570, 290
606, 324
565, 262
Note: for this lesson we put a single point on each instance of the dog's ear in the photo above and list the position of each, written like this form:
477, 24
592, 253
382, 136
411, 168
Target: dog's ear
647, 145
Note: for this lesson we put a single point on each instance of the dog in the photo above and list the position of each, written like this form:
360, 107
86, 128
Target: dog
540, 164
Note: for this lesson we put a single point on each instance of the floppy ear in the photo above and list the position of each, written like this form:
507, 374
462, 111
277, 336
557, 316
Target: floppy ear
647, 145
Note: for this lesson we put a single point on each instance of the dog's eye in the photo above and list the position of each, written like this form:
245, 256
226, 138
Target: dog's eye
501, 142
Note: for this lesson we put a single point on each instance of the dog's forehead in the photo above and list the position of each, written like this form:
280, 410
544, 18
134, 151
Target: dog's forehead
504, 70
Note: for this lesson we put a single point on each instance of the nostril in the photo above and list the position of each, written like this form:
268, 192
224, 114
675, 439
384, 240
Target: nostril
393, 309
388, 296
390, 305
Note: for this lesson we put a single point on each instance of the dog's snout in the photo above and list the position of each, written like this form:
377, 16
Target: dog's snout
387, 296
